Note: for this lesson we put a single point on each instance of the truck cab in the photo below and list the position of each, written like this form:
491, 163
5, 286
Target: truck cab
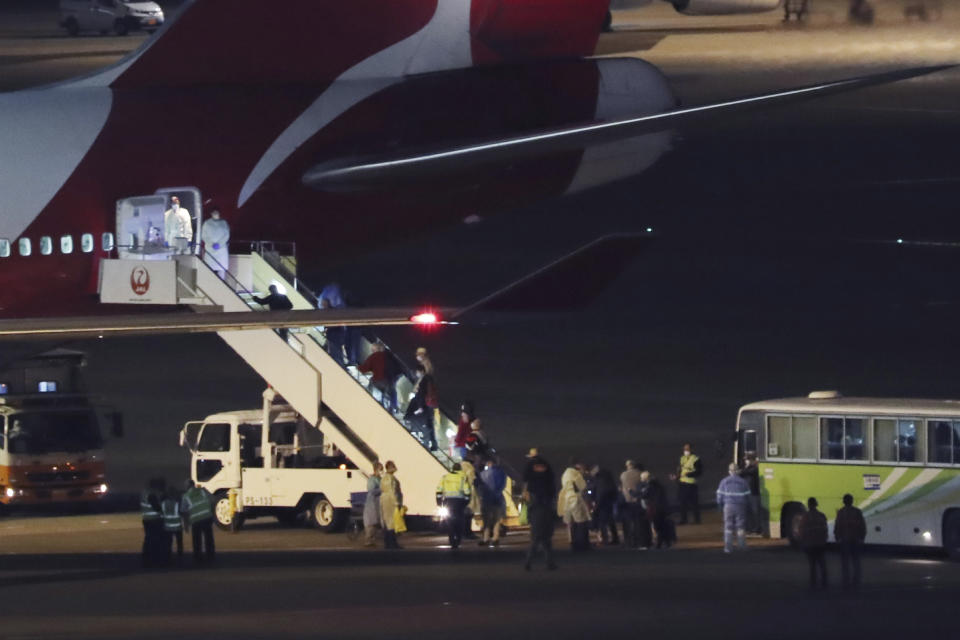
286, 470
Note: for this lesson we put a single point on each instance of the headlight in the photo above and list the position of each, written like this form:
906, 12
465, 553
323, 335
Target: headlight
101, 489
442, 513
10, 492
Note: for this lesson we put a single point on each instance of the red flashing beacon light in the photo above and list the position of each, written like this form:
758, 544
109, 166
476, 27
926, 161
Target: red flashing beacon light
425, 318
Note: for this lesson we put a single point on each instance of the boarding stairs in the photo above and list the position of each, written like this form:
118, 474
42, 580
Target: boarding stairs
352, 414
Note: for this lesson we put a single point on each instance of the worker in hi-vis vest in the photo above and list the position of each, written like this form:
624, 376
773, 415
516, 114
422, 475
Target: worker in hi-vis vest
453, 492
172, 522
197, 505
687, 473
153, 537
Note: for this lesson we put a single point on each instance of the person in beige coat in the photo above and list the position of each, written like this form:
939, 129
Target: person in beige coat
473, 507
572, 506
391, 498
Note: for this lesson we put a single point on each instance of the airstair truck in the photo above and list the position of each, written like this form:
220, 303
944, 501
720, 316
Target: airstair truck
270, 462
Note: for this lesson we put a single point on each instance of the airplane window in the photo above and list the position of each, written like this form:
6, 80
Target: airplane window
107, 242
25, 247
66, 244
4, 248
46, 245
86, 243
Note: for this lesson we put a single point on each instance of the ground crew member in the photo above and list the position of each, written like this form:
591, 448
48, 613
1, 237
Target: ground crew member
453, 492
813, 541
215, 234
197, 505
152, 522
391, 499
172, 523
687, 473
850, 530
733, 496
178, 227
539, 494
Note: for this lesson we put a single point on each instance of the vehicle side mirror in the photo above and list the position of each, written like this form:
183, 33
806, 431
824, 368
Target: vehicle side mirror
183, 438
116, 426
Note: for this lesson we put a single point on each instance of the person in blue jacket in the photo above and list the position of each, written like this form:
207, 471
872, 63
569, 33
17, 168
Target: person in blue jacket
733, 496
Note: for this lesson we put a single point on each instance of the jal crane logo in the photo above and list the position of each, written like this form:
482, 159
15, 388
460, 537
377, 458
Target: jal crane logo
140, 280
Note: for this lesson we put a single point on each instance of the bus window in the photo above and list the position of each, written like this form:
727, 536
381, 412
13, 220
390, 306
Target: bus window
885, 440
805, 437
831, 438
910, 440
956, 442
855, 439
215, 437
778, 437
4, 388
4, 248
940, 441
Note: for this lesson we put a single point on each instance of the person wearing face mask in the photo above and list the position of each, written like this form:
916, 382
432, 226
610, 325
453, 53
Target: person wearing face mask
424, 358
419, 413
178, 229
215, 234
688, 471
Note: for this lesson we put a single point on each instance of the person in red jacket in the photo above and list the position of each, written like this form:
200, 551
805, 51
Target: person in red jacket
383, 372
463, 430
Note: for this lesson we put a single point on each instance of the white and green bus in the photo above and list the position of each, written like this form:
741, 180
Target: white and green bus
899, 458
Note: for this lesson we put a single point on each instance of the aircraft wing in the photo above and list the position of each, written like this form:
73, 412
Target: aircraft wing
367, 173
190, 322
569, 282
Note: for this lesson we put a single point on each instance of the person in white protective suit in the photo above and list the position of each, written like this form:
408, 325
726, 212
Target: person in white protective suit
177, 227
215, 234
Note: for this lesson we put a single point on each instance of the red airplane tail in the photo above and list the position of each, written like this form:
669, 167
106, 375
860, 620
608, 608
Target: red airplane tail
252, 42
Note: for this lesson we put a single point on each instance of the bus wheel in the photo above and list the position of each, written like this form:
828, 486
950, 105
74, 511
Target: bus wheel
222, 514
951, 534
790, 523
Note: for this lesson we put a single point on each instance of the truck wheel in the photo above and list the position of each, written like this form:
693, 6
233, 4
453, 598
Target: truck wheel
951, 535
120, 27
324, 516
221, 511
72, 27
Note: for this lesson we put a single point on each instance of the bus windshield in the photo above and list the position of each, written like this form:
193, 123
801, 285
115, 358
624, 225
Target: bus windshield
53, 431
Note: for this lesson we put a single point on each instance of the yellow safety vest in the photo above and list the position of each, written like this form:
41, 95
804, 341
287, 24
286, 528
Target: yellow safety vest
147, 512
454, 485
198, 505
171, 515
688, 464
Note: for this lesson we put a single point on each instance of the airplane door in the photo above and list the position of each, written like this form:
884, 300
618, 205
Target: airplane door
217, 461
140, 227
